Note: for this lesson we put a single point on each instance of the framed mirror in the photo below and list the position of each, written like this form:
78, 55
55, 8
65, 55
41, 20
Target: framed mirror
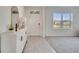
14, 18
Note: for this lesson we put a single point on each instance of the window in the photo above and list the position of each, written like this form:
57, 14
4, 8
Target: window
62, 20
57, 20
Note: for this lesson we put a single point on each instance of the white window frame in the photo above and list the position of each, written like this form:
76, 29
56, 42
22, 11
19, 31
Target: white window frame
71, 19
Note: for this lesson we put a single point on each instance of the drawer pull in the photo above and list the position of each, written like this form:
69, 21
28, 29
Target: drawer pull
21, 38
25, 32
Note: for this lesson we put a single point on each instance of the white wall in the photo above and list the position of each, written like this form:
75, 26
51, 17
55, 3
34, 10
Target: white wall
50, 31
5, 17
21, 11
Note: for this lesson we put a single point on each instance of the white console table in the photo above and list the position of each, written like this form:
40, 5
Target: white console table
13, 42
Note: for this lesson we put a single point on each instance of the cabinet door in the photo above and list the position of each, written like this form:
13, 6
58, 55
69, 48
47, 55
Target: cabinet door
24, 39
21, 40
18, 43
8, 43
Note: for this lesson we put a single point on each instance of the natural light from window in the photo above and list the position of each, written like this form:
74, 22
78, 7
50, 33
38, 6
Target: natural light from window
62, 20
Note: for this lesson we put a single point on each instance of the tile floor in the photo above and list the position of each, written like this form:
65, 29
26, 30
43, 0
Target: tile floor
52, 45
38, 45
64, 44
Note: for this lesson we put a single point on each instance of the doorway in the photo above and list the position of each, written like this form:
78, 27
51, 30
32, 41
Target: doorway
34, 17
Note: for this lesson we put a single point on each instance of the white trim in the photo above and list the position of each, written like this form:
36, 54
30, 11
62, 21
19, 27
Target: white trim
44, 34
